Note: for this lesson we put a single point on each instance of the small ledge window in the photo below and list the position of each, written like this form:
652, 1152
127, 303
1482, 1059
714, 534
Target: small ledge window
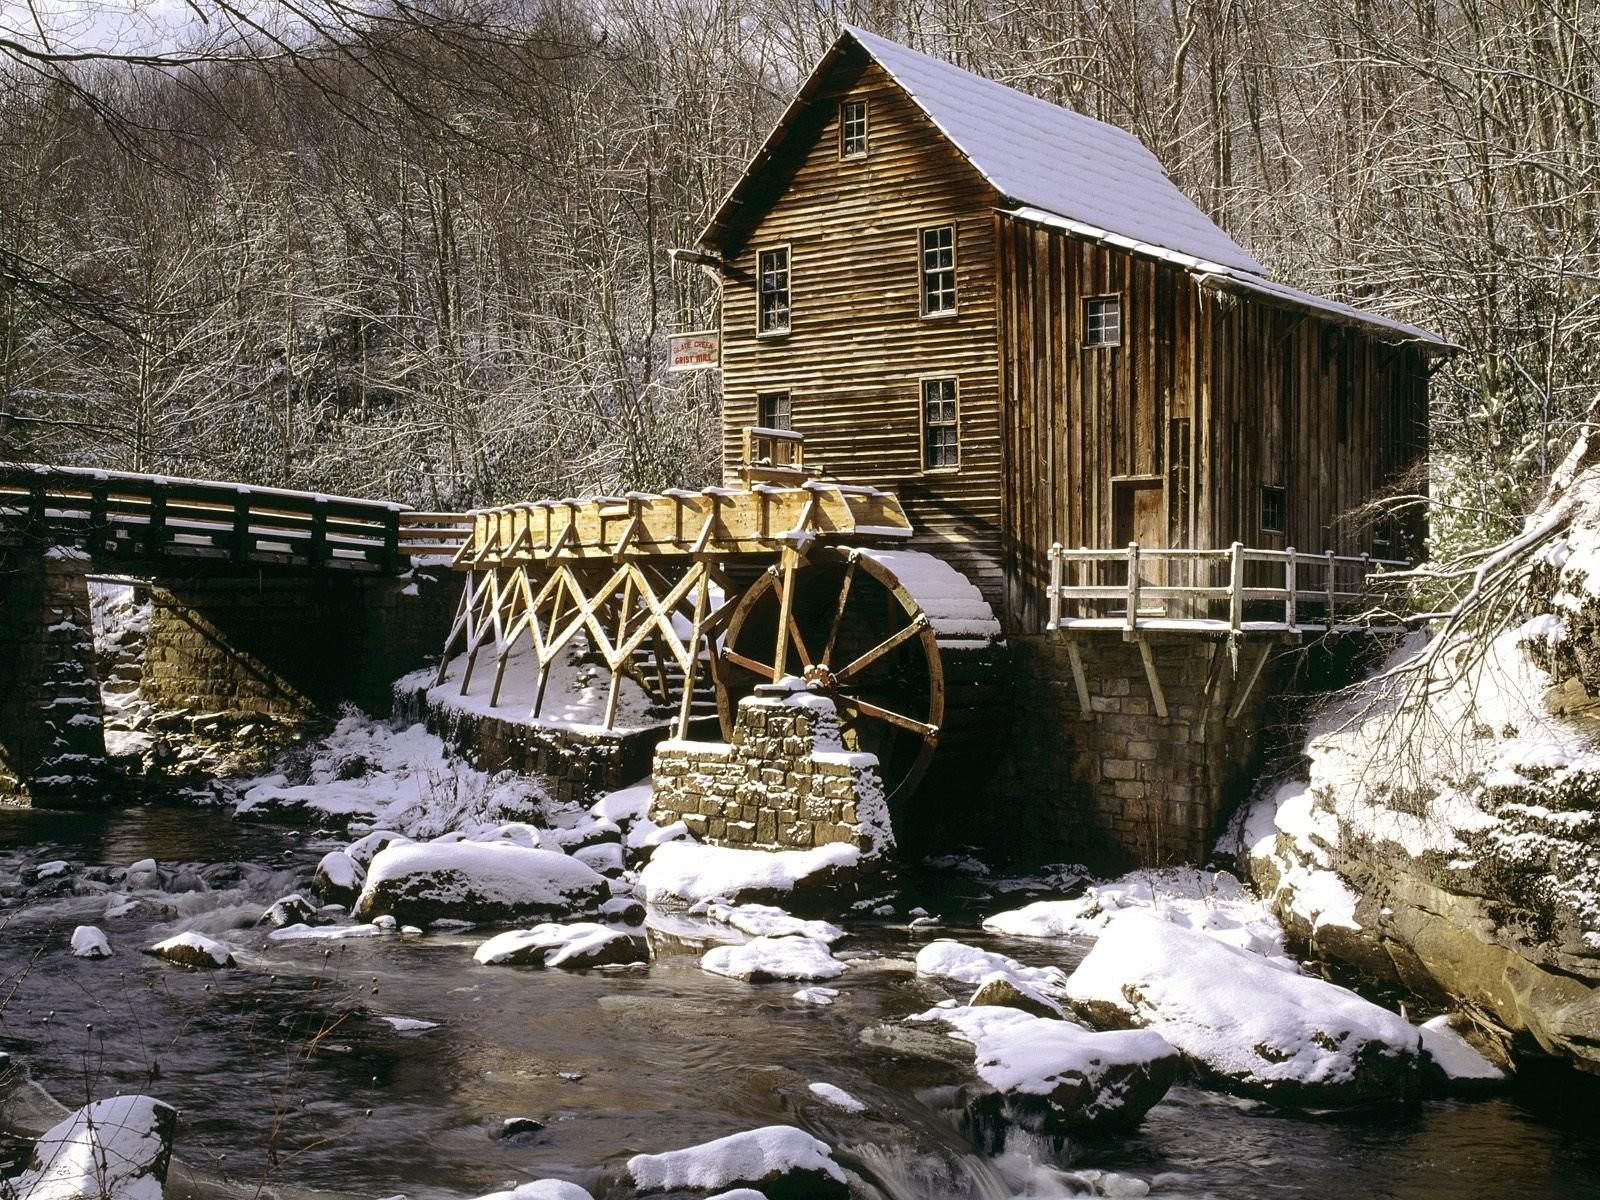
853, 129
1102, 321
772, 410
938, 270
772, 291
1274, 507
941, 439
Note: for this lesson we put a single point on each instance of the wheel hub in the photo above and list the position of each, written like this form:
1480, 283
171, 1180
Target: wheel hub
818, 678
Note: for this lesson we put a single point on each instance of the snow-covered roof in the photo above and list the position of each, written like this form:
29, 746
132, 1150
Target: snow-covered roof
1050, 162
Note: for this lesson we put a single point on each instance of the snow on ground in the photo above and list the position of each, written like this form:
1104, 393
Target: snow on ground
836, 1096
688, 874
575, 696
766, 920
740, 1158
1233, 1012
768, 958
1213, 903
115, 1149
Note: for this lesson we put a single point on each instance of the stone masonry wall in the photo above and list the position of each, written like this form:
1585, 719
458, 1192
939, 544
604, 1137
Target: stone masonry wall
784, 782
1123, 784
52, 740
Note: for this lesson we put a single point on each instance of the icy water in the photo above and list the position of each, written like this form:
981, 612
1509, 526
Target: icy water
284, 1068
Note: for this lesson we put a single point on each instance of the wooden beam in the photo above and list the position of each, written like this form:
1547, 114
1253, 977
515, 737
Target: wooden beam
1079, 678
1157, 696
1250, 682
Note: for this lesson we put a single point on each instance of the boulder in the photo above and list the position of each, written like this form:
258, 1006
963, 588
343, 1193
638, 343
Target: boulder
542, 1189
338, 879
1003, 990
290, 910
1000, 980
365, 849
764, 959
779, 1161
1255, 1028
477, 881
766, 920
89, 942
575, 946
115, 1149
686, 873
194, 950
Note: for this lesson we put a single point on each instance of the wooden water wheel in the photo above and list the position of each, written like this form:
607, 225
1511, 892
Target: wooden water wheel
860, 628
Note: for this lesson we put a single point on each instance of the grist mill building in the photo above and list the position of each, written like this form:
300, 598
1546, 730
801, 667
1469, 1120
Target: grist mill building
1006, 315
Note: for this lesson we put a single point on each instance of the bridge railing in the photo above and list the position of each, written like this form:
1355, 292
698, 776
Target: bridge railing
1239, 589
117, 514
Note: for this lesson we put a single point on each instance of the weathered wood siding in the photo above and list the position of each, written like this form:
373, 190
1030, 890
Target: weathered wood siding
858, 346
1271, 397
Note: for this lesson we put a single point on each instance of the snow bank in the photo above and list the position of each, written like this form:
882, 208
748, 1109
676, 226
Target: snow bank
477, 881
116, 1149
757, 1159
681, 873
1262, 1030
767, 958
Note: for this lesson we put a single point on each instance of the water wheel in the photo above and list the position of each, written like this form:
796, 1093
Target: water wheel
871, 630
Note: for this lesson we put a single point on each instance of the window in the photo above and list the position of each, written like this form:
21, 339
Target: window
1274, 505
853, 129
941, 443
773, 410
1102, 321
772, 291
938, 270
1178, 435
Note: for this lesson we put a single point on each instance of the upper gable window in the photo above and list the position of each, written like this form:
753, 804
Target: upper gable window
772, 291
938, 270
1102, 321
853, 129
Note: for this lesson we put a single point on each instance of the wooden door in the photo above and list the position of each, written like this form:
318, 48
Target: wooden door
1139, 514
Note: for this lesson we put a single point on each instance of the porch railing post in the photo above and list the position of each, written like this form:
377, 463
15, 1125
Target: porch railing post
1333, 570
1290, 586
1236, 586
1133, 585
1055, 586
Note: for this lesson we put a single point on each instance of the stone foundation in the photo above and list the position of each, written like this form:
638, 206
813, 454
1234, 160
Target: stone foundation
52, 742
784, 783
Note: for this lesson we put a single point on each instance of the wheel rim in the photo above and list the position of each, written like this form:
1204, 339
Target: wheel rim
860, 638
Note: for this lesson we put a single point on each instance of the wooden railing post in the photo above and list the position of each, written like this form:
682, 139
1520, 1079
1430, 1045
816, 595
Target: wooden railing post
1333, 570
1133, 585
1055, 586
156, 531
391, 542
1291, 583
241, 525
1236, 586
317, 552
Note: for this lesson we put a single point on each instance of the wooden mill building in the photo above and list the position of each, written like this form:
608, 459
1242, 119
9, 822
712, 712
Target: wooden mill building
1006, 315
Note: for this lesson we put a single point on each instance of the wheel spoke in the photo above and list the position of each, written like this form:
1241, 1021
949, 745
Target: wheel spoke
749, 664
867, 709
882, 648
799, 643
838, 612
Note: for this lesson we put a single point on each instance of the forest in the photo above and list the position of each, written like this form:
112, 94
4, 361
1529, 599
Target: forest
419, 249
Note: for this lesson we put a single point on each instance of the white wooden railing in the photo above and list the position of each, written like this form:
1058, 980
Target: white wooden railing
1310, 593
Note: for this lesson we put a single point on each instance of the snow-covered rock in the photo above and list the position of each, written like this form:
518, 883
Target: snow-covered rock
478, 881
766, 920
194, 950
685, 873
1260, 1030
767, 958
1453, 1062
368, 846
956, 961
543, 1189
115, 1149
820, 997
575, 946
1005, 990
290, 910
836, 1096
339, 878
143, 875
1055, 1076
89, 942
779, 1161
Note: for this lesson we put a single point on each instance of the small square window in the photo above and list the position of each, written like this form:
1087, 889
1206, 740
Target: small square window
941, 439
1102, 321
1274, 506
853, 129
938, 270
773, 410
772, 291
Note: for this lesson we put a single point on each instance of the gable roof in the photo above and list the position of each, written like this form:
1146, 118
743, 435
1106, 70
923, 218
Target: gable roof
1048, 162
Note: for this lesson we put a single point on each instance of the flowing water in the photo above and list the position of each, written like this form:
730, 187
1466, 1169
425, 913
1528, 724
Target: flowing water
284, 1068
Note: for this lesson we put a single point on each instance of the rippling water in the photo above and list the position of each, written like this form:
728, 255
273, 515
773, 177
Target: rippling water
284, 1068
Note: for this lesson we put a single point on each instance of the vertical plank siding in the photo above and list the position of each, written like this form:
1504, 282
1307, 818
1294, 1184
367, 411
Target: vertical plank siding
858, 345
1274, 397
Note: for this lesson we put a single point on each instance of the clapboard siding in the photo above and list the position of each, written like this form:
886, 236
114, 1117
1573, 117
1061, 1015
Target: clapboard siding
1273, 396
859, 346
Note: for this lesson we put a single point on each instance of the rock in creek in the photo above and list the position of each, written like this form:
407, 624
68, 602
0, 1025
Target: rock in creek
779, 1161
89, 942
116, 1149
194, 950
576, 946
339, 879
478, 881
1258, 1029
290, 910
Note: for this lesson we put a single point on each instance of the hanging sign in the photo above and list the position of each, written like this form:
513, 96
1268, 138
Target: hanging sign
693, 351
